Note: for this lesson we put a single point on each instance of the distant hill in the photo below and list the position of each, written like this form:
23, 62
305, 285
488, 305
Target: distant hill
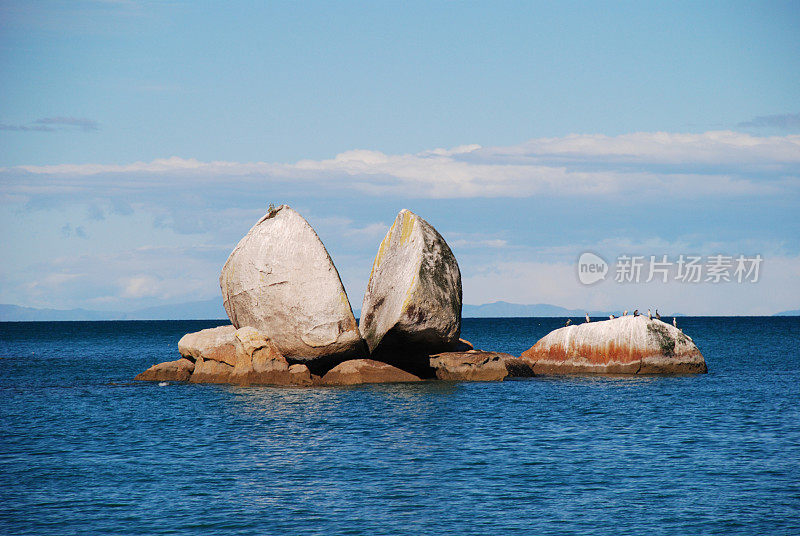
795, 312
16, 313
213, 310
199, 310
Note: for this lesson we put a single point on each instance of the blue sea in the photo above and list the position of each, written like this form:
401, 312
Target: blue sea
85, 450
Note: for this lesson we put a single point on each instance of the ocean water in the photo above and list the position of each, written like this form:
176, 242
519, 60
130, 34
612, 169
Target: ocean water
85, 450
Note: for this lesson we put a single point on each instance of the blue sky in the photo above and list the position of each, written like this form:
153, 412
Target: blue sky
140, 140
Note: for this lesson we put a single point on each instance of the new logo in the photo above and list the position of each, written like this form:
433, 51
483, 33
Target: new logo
591, 268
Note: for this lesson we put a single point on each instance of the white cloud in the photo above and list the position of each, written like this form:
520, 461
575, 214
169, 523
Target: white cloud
372, 230
346, 227
138, 277
488, 243
53, 124
712, 148
782, 121
140, 286
640, 164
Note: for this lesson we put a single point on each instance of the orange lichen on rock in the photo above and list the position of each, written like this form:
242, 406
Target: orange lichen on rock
626, 345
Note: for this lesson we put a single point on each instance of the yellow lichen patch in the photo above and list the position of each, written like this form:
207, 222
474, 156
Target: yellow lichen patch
351, 325
382, 249
409, 293
408, 226
343, 299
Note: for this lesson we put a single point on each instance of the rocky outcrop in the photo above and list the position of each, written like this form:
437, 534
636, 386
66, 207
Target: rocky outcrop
300, 375
258, 360
242, 357
280, 280
357, 371
210, 371
474, 365
246, 356
171, 371
466, 363
412, 306
216, 344
625, 345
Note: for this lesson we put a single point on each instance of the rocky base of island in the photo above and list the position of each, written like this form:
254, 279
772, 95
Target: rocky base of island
623, 346
246, 357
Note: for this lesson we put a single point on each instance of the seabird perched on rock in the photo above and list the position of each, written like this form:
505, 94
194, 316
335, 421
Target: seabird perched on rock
568, 322
649, 314
611, 317
587, 318
625, 313
674, 322
658, 315
636, 312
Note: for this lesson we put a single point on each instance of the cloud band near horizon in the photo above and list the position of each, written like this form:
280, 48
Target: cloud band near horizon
712, 163
150, 233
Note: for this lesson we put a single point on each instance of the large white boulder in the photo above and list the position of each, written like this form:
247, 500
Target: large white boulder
280, 280
625, 345
412, 306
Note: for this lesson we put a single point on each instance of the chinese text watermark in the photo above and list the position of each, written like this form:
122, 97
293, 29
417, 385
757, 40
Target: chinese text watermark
663, 268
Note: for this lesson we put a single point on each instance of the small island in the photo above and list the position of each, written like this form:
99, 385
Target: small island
292, 323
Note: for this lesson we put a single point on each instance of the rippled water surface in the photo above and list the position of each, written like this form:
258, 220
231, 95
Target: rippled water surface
84, 450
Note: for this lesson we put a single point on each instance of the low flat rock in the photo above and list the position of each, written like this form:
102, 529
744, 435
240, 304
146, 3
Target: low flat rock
356, 371
216, 344
280, 280
172, 371
412, 306
625, 345
475, 365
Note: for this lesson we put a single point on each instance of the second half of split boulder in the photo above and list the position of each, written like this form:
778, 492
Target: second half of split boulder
413, 299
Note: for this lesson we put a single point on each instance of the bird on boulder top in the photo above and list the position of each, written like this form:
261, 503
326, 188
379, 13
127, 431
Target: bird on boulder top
674, 322
587, 318
658, 315
649, 314
568, 322
611, 317
625, 313
636, 312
